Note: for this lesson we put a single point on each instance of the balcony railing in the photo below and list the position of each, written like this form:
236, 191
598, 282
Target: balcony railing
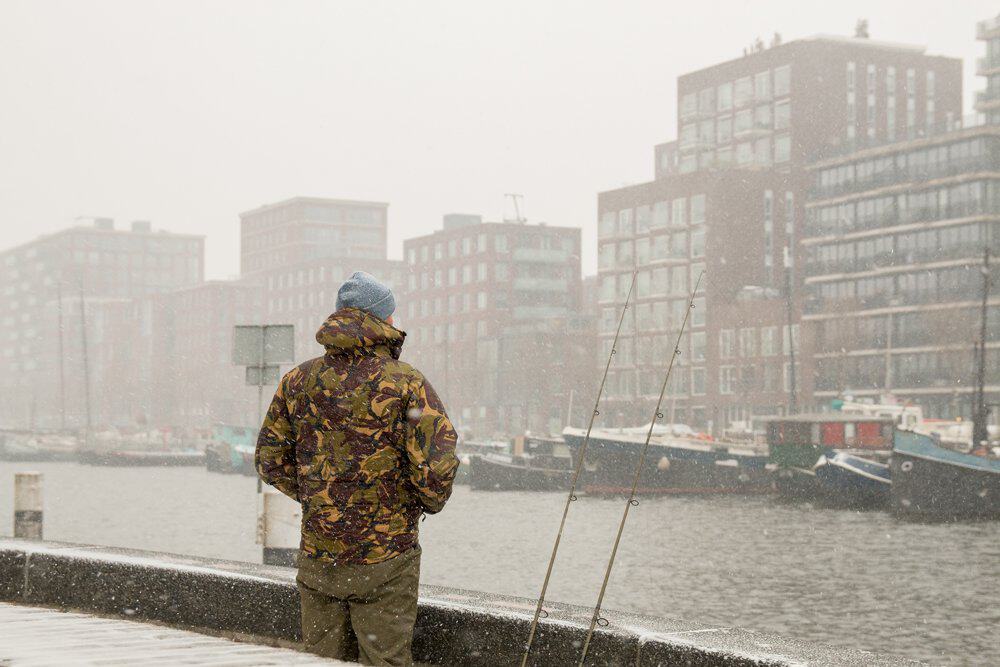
986, 65
987, 99
891, 219
970, 251
904, 134
985, 29
903, 175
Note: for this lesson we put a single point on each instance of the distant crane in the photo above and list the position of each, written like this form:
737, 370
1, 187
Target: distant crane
517, 200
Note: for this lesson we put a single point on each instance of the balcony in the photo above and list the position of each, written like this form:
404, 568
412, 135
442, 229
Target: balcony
897, 175
546, 255
986, 65
987, 100
988, 28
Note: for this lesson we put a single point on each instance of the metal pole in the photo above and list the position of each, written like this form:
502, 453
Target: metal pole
260, 393
793, 393
86, 367
28, 505
62, 360
596, 618
576, 476
979, 428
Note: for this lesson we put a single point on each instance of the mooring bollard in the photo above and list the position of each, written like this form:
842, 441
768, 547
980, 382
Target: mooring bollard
280, 528
28, 505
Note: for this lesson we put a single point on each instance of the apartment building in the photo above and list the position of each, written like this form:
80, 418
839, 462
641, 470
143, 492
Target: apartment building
302, 229
895, 237
297, 252
729, 199
493, 316
53, 290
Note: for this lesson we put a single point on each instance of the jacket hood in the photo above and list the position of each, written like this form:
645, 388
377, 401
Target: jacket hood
354, 331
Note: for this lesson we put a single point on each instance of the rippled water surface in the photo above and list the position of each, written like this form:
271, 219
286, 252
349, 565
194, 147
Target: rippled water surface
854, 579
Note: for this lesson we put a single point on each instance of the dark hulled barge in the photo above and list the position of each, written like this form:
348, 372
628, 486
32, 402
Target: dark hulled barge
675, 464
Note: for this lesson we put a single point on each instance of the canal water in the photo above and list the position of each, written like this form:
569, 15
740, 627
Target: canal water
866, 580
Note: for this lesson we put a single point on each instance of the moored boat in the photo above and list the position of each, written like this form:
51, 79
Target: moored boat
933, 482
528, 463
33, 446
501, 472
675, 464
231, 450
848, 480
803, 447
112, 457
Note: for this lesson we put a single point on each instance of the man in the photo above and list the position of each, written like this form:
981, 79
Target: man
361, 440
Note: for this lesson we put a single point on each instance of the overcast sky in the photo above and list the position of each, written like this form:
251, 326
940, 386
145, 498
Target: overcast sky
187, 113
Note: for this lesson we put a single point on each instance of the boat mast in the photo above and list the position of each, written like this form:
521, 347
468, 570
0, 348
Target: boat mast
86, 366
62, 360
789, 315
979, 430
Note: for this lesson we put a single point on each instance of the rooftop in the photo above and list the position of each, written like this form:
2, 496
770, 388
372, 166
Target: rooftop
316, 201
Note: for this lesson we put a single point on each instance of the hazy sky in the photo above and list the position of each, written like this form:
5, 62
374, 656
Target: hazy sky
186, 113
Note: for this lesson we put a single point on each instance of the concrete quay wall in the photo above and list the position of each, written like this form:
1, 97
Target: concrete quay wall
454, 627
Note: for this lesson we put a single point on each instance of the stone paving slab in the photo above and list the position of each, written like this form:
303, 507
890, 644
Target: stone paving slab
33, 636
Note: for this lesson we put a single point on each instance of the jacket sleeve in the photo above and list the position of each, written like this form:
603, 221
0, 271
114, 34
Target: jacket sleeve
430, 448
275, 455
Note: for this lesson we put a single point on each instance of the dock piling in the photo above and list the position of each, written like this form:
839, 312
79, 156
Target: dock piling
28, 505
280, 528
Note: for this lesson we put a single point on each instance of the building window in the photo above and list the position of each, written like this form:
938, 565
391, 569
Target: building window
698, 242
762, 86
606, 226
697, 209
625, 223
698, 346
782, 80
782, 148
679, 215
698, 381
724, 130
727, 338
782, 115
661, 214
743, 92
769, 341
748, 342
481, 301
501, 239
724, 97
726, 376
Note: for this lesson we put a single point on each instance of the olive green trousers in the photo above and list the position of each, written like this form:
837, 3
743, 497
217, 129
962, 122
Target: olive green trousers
360, 612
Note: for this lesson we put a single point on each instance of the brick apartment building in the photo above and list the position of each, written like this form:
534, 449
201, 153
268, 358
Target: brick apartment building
166, 359
297, 252
493, 315
894, 241
44, 281
729, 197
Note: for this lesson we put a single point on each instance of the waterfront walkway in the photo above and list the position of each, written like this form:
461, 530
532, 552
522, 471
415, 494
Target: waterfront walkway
39, 636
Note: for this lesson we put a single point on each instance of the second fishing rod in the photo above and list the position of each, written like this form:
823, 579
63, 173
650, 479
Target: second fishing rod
597, 619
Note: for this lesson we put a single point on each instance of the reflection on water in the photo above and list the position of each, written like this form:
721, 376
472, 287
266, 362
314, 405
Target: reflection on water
855, 579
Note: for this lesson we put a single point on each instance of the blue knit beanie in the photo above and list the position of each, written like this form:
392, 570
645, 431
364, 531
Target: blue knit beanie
365, 292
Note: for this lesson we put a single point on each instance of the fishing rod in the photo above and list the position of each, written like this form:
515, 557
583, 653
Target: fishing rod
597, 619
576, 475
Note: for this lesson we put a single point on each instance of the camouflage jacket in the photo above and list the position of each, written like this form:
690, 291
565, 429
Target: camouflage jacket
361, 440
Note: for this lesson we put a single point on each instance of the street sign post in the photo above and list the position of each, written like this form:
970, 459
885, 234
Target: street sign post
262, 348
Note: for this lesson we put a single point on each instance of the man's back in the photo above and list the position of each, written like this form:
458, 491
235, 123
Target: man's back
361, 440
